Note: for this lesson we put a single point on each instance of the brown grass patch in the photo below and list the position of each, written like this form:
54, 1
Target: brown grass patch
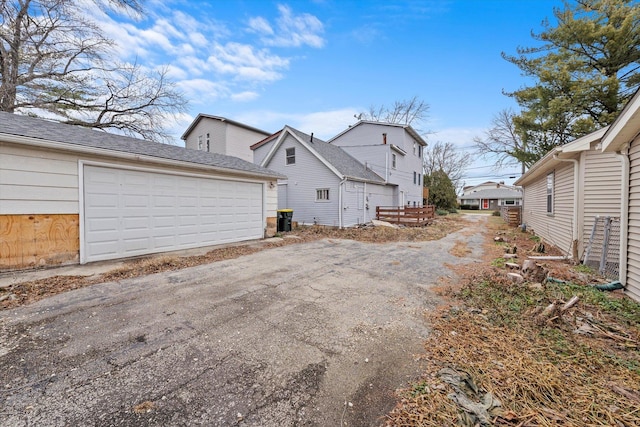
460, 249
545, 373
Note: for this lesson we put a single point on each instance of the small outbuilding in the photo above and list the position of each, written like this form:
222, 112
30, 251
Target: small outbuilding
71, 194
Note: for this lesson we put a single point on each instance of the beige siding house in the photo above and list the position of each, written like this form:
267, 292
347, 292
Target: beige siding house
70, 194
565, 191
623, 138
220, 135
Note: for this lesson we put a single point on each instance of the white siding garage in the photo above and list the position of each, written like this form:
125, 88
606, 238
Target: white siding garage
135, 212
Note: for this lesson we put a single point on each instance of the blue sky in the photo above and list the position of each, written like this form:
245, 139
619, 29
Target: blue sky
314, 64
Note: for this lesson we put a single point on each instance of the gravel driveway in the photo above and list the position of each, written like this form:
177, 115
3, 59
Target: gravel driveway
313, 334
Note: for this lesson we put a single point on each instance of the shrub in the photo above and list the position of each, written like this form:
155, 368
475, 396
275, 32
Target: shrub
496, 213
442, 212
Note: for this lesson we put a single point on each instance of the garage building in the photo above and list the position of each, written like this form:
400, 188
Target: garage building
70, 194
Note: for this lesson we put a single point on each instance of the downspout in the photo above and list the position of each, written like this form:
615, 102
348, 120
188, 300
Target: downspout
364, 203
577, 187
340, 220
623, 155
386, 167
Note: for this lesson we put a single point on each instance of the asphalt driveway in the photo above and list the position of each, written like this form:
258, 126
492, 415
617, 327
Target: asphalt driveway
314, 334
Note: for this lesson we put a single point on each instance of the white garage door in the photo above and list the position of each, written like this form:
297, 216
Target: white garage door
129, 212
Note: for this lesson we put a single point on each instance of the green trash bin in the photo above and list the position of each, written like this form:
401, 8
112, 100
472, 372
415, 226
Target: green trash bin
284, 219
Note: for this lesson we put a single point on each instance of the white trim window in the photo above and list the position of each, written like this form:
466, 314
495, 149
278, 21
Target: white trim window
394, 160
290, 156
199, 142
550, 185
322, 194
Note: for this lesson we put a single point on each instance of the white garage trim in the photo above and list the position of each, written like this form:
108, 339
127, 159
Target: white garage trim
205, 226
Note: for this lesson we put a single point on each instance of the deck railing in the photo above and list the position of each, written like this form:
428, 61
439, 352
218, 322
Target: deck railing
406, 215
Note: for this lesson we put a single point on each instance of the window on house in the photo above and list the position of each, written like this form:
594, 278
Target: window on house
509, 202
199, 142
208, 143
419, 176
419, 150
415, 177
550, 193
291, 156
394, 158
414, 148
322, 194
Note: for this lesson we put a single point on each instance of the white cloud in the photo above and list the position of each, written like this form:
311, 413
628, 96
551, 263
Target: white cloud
245, 96
201, 91
291, 30
245, 62
323, 124
260, 25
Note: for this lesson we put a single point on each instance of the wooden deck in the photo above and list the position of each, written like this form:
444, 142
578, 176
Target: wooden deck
415, 217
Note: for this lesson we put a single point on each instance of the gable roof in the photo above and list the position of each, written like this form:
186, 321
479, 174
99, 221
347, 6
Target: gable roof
407, 128
334, 157
625, 128
567, 151
493, 193
36, 131
201, 116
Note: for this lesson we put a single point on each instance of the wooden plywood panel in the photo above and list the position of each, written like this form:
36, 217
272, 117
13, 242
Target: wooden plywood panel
37, 240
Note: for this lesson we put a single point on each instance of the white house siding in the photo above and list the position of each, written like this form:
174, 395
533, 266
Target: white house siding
556, 228
600, 174
37, 181
304, 177
365, 143
239, 140
360, 200
633, 243
217, 136
261, 152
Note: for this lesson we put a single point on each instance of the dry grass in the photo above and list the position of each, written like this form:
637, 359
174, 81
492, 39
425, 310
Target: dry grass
544, 374
27, 292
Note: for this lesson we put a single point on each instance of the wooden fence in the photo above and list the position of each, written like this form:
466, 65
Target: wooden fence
406, 216
512, 215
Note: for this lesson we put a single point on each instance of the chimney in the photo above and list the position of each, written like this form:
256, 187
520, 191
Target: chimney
384, 138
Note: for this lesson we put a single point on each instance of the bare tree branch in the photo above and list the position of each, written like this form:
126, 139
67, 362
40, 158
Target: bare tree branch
54, 60
501, 141
444, 156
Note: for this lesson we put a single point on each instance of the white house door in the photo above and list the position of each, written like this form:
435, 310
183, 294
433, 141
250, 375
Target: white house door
132, 212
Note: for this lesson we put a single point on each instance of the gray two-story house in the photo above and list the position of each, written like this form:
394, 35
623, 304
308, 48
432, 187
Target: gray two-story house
393, 151
325, 185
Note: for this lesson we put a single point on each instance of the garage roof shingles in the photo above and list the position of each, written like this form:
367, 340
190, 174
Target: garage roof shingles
45, 130
347, 165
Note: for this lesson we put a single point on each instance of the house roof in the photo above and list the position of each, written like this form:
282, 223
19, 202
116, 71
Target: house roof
16, 128
338, 160
493, 193
201, 116
407, 128
625, 128
554, 157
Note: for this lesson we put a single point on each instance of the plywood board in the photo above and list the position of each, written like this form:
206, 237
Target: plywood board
38, 240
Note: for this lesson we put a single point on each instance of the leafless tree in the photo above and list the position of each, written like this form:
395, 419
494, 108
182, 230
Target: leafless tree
502, 141
55, 61
444, 156
412, 112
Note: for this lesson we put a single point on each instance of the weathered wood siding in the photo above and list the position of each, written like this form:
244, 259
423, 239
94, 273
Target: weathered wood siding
633, 243
601, 175
36, 240
556, 228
